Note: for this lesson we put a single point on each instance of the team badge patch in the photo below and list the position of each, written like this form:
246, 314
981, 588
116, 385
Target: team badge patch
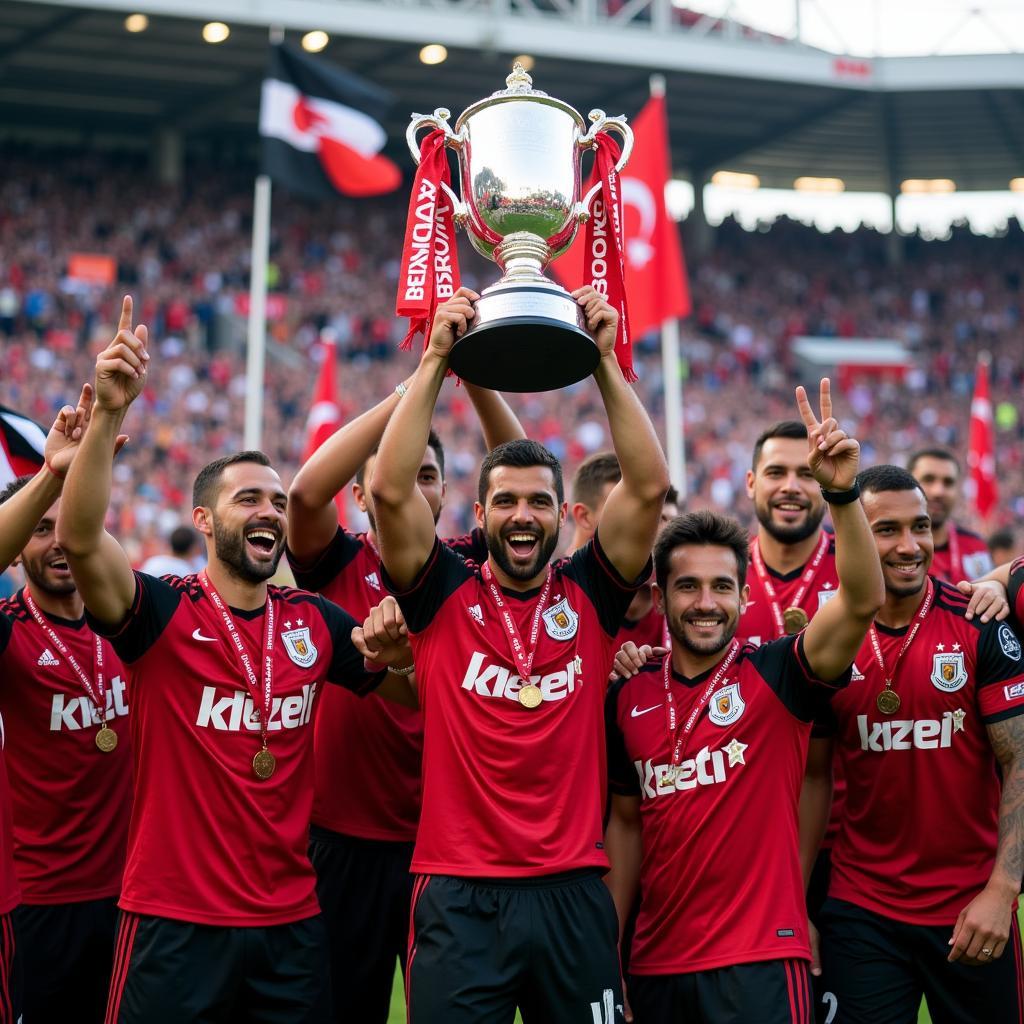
726, 705
949, 672
1014, 691
560, 621
300, 646
1009, 643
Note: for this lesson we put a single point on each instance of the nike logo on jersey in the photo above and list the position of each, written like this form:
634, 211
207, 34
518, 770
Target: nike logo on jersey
48, 658
706, 768
910, 734
636, 712
196, 635
235, 713
497, 681
74, 713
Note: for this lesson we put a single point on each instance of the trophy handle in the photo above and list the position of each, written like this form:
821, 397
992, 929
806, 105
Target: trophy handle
600, 122
439, 119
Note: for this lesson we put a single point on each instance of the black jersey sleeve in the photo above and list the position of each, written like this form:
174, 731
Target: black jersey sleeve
346, 667
622, 778
999, 670
472, 546
6, 615
444, 572
783, 666
609, 593
153, 607
314, 574
1015, 592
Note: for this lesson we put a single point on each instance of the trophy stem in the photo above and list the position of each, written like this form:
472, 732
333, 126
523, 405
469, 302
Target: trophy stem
522, 256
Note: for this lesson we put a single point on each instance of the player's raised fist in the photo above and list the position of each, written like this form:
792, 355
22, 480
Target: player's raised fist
602, 319
832, 455
121, 366
451, 320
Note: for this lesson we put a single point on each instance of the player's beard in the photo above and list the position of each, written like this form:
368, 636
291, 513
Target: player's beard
938, 512
703, 648
908, 589
790, 534
496, 549
229, 547
35, 573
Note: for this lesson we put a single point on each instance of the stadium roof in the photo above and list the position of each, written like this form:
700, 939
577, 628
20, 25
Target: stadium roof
741, 100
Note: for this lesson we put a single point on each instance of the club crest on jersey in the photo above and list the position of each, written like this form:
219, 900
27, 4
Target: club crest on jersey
300, 646
1009, 643
726, 705
948, 671
560, 621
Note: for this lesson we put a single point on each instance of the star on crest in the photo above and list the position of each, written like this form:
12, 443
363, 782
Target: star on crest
958, 720
288, 624
577, 664
940, 647
735, 751
298, 622
956, 647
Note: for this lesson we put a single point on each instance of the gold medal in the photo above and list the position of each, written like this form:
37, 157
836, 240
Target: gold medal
264, 763
794, 619
530, 696
888, 702
106, 738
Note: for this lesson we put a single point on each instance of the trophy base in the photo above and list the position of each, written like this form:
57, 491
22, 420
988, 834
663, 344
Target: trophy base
525, 338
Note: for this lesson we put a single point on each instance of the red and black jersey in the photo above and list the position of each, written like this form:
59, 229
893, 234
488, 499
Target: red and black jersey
720, 878
209, 842
511, 791
648, 629
918, 840
965, 556
70, 801
373, 743
1015, 592
10, 894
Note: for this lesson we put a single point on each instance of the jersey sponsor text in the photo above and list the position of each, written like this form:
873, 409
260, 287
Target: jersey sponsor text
232, 714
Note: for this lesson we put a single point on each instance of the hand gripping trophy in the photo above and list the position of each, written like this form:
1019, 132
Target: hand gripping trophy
519, 153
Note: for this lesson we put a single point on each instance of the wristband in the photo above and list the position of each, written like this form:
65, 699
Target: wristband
842, 497
407, 671
61, 477
401, 389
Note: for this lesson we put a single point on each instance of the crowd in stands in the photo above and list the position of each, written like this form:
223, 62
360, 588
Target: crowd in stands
183, 252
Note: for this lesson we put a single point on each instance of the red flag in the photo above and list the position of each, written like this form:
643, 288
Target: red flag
325, 415
982, 490
21, 445
656, 283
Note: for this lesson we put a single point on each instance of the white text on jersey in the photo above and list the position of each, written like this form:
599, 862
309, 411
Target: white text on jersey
706, 768
498, 681
71, 713
909, 734
232, 714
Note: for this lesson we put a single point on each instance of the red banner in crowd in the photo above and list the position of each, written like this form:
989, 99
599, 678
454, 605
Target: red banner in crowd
325, 415
982, 489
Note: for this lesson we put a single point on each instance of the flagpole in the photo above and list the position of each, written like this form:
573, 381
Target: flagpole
257, 335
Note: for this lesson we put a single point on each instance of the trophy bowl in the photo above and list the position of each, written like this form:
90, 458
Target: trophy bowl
519, 153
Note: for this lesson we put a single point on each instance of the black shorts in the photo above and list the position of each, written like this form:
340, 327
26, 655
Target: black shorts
481, 947
765, 992
10, 1008
877, 969
65, 952
169, 972
364, 888
817, 892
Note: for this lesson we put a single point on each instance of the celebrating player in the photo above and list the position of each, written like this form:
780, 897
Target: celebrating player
695, 792
512, 658
219, 913
362, 832
927, 865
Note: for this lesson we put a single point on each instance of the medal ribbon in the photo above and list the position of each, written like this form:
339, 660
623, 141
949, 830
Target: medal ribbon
806, 579
605, 269
876, 644
251, 680
430, 260
678, 734
96, 687
956, 567
523, 656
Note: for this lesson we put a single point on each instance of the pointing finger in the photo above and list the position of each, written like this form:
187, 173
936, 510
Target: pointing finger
125, 323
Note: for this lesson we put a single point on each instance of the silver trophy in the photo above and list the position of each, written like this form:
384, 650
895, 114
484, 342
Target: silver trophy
519, 161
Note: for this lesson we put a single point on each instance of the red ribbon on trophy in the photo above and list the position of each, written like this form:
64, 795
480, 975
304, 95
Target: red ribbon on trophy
430, 260
604, 268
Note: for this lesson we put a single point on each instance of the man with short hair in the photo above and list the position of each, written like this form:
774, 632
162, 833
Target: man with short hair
959, 553
707, 754
182, 541
219, 911
68, 753
927, 866
362, 832
512, 661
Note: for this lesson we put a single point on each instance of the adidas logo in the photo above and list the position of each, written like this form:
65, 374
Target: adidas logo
476, 612
47, 658
374, 580
856, 676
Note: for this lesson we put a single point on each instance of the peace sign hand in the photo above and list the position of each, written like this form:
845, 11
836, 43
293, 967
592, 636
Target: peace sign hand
832, 456
121, 366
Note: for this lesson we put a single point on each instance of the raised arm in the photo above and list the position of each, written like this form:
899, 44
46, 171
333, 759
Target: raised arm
838, 628
497, 420
405, 524
632, 513
312, 514
99, 566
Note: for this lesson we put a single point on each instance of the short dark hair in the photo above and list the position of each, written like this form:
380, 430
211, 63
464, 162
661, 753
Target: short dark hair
14, 486
182, 539
793, 429
592, 475
882, 478
204, 490
671, 496
704, 528
519, 453
1003, 538
932, 453
433, 441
